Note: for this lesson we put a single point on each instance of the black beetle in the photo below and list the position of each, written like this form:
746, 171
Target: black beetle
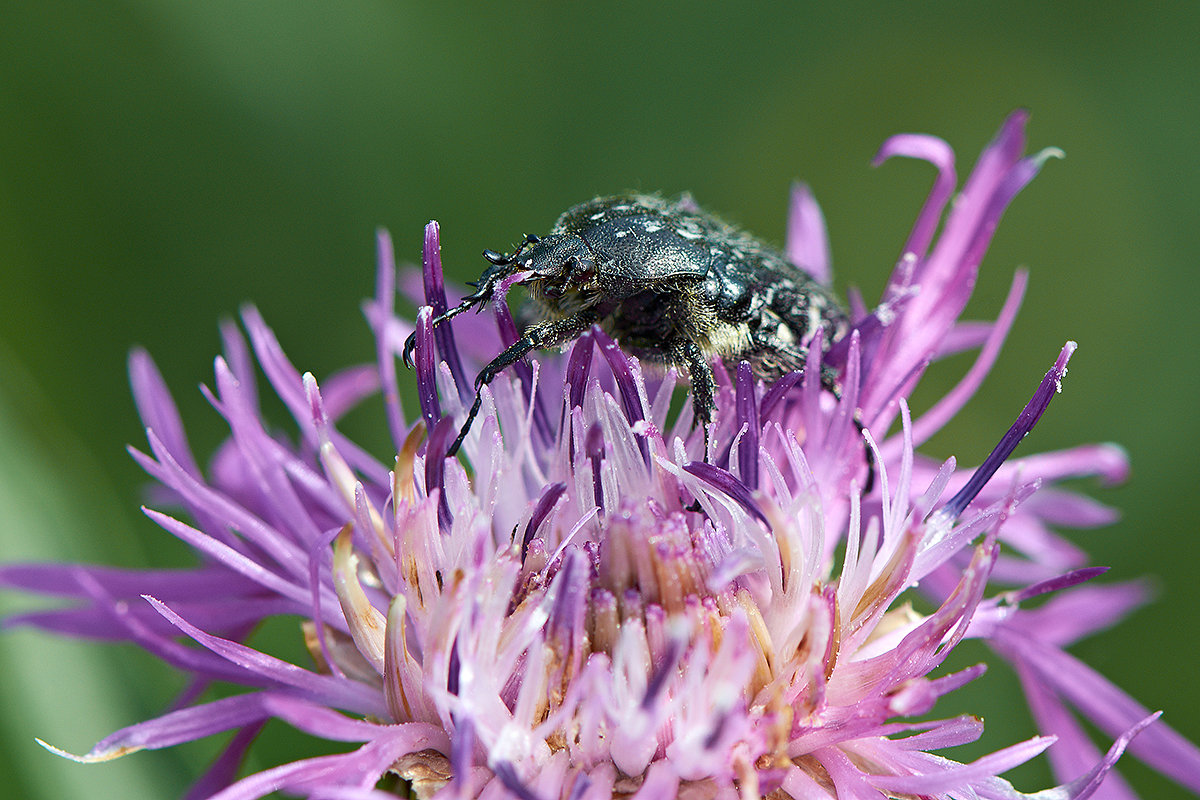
671, 283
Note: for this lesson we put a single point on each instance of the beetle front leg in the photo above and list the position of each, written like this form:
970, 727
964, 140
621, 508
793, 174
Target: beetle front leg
704, 384
543, 334
487, 284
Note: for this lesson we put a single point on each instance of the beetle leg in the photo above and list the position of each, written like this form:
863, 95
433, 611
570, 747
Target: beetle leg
487, 284
704, 384
543, 334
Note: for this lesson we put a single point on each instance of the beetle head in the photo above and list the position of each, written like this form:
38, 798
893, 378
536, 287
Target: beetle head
559, 263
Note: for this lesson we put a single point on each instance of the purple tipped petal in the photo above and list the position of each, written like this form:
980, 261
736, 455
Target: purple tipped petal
578, 367
435, 296
1026, 420
618, 362
725, 482
425, 365
547, 502
185, 725
1059, 583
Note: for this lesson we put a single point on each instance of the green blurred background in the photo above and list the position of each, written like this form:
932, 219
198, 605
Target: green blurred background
163, 162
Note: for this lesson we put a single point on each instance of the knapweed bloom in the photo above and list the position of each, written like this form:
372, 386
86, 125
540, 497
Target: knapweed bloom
581, 607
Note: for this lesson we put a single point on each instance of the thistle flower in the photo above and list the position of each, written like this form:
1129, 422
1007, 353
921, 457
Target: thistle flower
582, 607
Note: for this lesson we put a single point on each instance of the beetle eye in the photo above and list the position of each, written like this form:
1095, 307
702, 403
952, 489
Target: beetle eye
576, 270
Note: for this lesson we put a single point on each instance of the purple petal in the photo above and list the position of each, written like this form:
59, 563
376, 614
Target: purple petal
289, 385
1111, 709
964, 336
285, 552
938, 153
778, 392
237, 355
946, 277
63, 580
326, 689
1063, 508
384, 307
622, 370
619, 363
512, 781
939, 734
258, 450
1086, 785
1014, 181
747, 418
157, 408
807, 238
1073, 615
509, 334
344, 390
440, 439
237, 562
953, 401
220, 613
225, 768
960, 775
176, 727
349, 770
568, 615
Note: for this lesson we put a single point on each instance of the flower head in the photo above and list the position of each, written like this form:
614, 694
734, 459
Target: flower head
584, 607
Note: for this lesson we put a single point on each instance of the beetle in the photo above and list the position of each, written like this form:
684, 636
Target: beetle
671, 283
